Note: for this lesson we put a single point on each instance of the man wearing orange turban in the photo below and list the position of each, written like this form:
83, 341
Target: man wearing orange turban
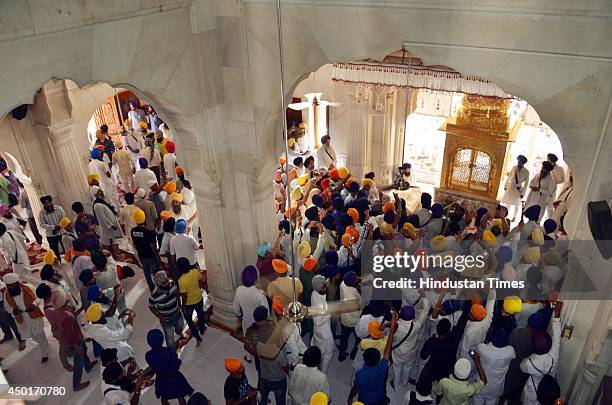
237, 388
477, 326
283, 285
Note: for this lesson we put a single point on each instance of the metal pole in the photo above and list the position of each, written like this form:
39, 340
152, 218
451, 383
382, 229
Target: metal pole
284, 114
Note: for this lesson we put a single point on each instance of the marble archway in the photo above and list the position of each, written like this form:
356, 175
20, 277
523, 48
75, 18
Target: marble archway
57, 114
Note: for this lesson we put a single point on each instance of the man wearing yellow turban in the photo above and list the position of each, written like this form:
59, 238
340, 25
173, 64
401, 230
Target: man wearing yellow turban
489, 239
93, 179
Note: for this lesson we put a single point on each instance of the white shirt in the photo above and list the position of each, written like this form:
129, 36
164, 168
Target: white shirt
361, 330
136, 117
165, 245
115, 395
109, 338
108, 278
125, 217
186, 213
322, 335
182, 245
305, 381
424, 215
142, 178
79, 264
495, 362
349, 319
246, 300
406, 351
545, 194
14, 246
476, 331
558, 174
170, 165
152, 161
326, 156
122, 158
100, 168
135, 141
536, 365
516, 184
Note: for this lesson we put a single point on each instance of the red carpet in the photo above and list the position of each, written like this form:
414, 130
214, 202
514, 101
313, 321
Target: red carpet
36, 253
126, 257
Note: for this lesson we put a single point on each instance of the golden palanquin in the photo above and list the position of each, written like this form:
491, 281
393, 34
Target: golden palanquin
476, 149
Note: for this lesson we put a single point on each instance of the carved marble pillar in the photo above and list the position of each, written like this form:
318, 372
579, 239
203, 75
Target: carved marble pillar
357, 118
71, 171
219, 262
402, 110
263, 209
385, 167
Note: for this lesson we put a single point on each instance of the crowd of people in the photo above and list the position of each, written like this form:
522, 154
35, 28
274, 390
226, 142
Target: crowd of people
141, 201
444, 345
440, 345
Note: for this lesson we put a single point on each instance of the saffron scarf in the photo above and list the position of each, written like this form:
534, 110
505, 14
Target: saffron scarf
28, 299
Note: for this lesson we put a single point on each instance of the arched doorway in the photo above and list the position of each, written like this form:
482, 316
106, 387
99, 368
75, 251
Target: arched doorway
378, 119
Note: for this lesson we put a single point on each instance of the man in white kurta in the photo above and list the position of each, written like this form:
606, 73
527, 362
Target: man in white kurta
135, 144
29, 327
495, 358
557, 172
125, 164
143, 177
110, 338
125, 216
476, 331
516, 187
542, 189
306, 379
563, 202
322, 335
106, 183
189, 201
326, 155
108, 226
169, 160
349, 320
294, 344
13, 244
406, 336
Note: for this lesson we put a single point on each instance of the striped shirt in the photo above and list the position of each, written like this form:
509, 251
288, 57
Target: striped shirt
49, 220
165, 301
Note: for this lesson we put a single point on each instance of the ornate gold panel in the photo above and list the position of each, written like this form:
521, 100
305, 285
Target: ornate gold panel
489, 114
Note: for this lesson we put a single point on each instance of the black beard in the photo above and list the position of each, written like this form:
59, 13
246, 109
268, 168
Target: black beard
16, 291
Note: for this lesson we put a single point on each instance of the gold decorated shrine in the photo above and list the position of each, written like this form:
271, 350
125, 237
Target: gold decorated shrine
476, 150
